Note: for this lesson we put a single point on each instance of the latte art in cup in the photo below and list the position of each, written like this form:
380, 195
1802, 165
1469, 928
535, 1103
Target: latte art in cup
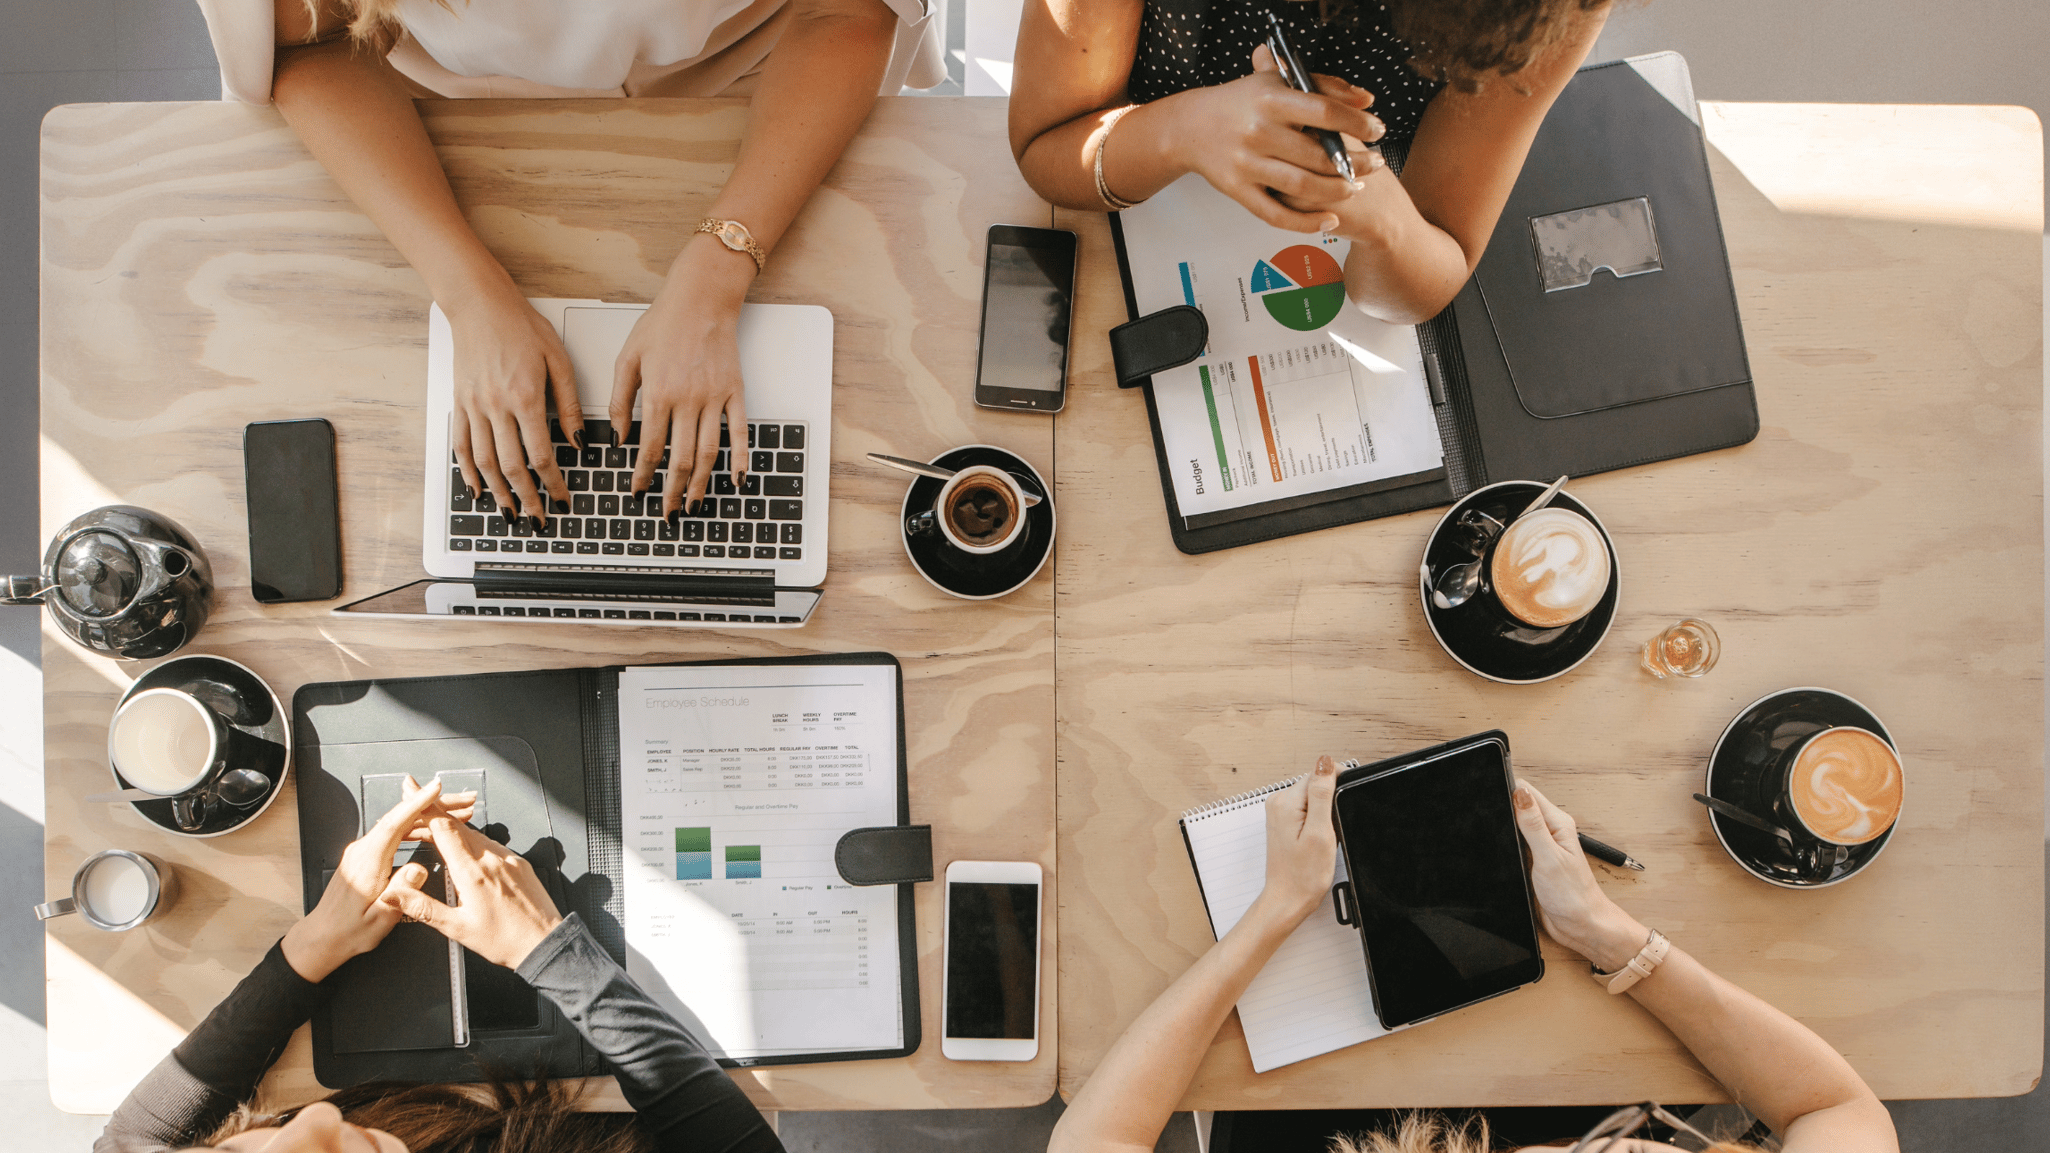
1550, 568
1846, 786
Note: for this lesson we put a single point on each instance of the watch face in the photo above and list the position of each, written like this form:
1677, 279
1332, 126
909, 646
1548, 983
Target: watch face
733, 235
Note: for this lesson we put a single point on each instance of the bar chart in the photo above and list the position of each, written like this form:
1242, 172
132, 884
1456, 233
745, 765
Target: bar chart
694, 854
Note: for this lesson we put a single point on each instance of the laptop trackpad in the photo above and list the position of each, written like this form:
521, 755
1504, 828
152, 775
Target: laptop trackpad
594, 337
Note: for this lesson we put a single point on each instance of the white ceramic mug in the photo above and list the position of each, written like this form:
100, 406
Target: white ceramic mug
936, 519
116, 890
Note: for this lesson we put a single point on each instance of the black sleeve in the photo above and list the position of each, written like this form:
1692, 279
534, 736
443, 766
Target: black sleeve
217, 1066
682, 1096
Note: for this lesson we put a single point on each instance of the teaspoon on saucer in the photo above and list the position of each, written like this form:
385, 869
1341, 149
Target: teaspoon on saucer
932, 470
1744, 817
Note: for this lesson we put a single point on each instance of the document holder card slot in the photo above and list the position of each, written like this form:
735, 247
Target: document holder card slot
1610, 140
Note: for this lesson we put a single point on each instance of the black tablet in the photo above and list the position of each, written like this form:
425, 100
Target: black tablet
1438, 885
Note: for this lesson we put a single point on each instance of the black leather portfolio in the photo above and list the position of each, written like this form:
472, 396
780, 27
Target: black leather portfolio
415, 1009
1599, 332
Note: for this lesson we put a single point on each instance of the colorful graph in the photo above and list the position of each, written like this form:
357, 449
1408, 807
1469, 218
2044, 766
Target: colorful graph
743, 861
1301, 286
694, 854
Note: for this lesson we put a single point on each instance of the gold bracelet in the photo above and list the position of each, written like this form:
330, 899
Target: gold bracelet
1110, 200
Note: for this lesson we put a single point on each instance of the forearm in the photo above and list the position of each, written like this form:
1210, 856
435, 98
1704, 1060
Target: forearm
682, 1096
1129, 1098
1776, 1066
356, 118
1401, 268
1140, 157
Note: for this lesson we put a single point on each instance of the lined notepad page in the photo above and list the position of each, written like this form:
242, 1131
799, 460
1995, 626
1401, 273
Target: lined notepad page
1313, 995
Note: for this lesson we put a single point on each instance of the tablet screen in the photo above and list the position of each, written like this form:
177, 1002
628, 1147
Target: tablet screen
1437, 873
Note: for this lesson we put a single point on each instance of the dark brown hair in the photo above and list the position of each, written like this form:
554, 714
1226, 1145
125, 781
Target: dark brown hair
1464, 42
498, 1117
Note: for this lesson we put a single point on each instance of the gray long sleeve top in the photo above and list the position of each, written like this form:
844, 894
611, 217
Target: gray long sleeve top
679, 1093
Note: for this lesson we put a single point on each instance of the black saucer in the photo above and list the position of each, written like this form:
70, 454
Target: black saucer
1762, 737
1479, 634
249, 704
968, 575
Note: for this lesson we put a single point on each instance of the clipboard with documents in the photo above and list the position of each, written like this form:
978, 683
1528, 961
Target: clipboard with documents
1600, 331
736, 834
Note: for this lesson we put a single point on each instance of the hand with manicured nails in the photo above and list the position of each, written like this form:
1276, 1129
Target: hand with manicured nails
1246, 137
508, 365
1302, 846
352, 916
502, 910
682, 362
1571, 904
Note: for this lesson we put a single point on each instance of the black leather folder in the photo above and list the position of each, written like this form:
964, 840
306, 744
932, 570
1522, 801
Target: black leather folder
550, 740
1599, 332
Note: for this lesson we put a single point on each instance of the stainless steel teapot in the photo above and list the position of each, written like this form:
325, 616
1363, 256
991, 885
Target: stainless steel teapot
123, 581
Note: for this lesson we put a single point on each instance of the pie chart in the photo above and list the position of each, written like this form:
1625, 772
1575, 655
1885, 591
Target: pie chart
1301, 286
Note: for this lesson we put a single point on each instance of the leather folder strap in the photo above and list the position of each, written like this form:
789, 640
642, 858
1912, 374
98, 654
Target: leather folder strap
1154, 343
885, 855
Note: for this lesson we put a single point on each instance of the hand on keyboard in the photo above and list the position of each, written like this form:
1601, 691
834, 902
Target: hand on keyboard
508, 361
683, 361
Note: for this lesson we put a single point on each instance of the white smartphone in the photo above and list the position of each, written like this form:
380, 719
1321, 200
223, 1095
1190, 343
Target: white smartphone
989, 993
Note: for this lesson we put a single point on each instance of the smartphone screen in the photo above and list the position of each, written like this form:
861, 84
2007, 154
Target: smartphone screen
992, 960
1438, 874
295, 527
1028, 292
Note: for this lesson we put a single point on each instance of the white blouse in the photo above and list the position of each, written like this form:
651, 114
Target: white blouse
556, 47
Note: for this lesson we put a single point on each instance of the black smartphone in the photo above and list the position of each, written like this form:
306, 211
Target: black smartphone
1028, 293
1438, 879
295, 523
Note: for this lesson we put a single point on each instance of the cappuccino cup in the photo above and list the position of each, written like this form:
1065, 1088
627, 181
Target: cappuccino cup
116, 890
980, 510
1549, 568
1843, 785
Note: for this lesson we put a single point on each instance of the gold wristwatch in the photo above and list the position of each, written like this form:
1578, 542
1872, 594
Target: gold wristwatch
734, 235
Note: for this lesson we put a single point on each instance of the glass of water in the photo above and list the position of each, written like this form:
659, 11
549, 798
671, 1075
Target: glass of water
1687, 649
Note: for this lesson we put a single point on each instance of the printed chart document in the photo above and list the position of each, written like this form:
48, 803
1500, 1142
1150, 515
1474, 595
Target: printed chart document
1312, 996
1301, 396
735, 781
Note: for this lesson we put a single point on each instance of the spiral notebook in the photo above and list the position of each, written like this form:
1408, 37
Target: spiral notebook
1313, 995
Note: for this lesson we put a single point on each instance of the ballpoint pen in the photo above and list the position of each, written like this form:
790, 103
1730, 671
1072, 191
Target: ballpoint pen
1609, 853
1297, 77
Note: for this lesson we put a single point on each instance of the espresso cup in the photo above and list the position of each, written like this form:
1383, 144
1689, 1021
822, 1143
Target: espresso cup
1549, 568
116, 890
980, 510
1843, 785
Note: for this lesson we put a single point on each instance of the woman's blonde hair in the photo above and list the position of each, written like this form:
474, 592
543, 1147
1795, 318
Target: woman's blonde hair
372, 23
1426, 1132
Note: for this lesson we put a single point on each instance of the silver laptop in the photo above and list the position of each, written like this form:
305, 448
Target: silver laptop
754, 556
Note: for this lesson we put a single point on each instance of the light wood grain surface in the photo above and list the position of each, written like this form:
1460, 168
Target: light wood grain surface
1882, 537
200, 271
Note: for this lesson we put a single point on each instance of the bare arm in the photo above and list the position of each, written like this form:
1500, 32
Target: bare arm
1131, 1095
1074, 59
1773, 1064
353, 113
1415, 240
682, 360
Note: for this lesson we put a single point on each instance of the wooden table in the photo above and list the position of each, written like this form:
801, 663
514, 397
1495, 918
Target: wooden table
201, 271
1882, 536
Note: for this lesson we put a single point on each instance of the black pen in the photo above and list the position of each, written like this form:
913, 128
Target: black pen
1609, 853
1297, 77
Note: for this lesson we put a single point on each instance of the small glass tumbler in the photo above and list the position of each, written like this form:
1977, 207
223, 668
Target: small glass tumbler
1687, 649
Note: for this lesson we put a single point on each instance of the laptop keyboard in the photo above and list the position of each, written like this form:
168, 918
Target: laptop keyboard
758, 520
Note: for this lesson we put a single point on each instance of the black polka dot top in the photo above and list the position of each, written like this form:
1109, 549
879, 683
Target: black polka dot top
1187, 44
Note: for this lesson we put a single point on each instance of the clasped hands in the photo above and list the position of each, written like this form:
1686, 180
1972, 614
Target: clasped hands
502, 910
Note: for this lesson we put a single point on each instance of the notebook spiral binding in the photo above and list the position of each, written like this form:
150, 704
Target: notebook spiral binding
1212, 808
